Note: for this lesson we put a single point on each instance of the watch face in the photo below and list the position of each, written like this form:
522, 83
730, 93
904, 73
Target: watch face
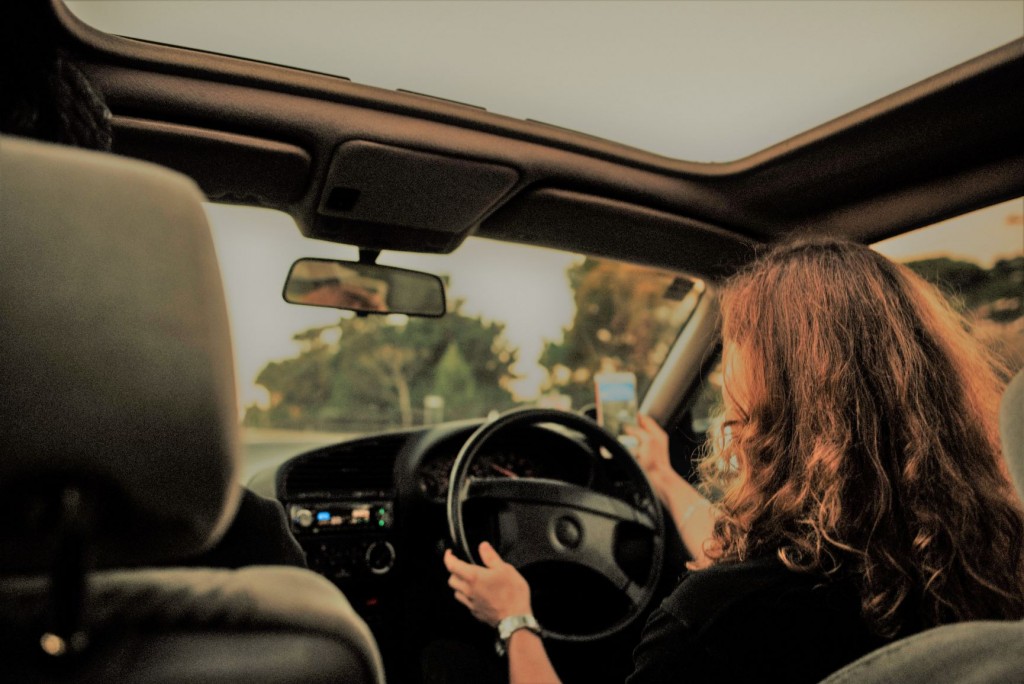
512, 623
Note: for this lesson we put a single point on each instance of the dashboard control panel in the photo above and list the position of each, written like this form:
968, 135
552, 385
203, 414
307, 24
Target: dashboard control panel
346, 540
341, 516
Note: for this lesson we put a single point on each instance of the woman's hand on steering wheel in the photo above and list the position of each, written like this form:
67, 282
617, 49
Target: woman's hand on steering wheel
493, 591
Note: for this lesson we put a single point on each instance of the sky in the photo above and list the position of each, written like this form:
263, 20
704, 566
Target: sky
983, 236
703, 81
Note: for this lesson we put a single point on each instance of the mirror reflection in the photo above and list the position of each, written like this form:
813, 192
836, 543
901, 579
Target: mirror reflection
364, 288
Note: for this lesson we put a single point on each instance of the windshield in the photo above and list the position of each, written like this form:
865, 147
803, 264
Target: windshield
525, 326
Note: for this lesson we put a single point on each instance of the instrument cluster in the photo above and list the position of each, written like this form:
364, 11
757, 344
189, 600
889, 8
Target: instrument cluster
539, 457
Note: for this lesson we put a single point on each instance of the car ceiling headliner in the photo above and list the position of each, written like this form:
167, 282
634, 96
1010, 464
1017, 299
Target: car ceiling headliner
394, 170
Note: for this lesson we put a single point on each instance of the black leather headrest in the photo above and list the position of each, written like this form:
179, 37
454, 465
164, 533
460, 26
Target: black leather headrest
1011, 429
118, 375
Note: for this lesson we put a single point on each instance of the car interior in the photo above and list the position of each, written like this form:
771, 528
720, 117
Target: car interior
120, 407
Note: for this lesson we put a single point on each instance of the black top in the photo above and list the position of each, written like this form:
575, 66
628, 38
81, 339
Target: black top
752, 621
258, 535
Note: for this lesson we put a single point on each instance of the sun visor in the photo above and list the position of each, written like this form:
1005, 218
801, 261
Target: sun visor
601, 226
387, 197
272, 173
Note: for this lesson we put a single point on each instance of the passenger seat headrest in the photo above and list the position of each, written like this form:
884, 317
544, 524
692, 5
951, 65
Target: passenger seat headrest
118, 375
1011, 430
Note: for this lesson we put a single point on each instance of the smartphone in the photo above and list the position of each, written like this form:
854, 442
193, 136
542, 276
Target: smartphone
616, 402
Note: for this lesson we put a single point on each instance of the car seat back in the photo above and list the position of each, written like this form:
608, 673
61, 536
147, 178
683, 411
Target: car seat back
976, 652
119, 424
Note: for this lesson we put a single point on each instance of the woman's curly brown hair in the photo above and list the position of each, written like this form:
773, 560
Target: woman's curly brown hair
868, 445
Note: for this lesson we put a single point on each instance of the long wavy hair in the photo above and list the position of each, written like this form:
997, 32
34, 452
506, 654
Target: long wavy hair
867, 443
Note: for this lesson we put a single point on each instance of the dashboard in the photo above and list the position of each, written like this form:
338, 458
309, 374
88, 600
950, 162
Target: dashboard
345, 502
371, 516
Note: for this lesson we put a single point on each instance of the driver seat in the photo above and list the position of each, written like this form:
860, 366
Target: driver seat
976, 652
121, 449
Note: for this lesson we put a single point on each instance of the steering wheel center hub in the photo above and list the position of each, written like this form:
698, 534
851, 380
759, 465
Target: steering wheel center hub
568, 532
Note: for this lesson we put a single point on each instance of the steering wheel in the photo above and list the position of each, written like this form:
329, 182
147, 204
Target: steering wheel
559, 522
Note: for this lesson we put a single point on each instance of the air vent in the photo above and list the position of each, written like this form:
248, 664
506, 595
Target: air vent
359, 469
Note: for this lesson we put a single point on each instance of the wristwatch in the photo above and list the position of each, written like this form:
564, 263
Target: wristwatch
512, 624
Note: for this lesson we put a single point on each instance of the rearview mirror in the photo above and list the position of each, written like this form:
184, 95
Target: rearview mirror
365, 288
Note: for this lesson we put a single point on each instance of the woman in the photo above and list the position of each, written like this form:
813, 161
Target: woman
864, 496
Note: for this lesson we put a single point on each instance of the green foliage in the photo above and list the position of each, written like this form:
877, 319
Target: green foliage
453, 379
624, 321
992, 300
379, 373
996, 294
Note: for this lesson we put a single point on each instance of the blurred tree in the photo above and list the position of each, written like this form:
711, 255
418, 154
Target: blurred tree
627, 317
379, 372
996, 293
296, 386
992, 299
453, 379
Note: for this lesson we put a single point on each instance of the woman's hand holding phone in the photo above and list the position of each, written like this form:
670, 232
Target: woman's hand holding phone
652, 454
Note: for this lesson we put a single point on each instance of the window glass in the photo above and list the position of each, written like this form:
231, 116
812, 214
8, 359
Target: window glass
525, 326
976, 260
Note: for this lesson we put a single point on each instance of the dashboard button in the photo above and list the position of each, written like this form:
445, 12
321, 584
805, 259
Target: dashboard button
303, 517
380, 557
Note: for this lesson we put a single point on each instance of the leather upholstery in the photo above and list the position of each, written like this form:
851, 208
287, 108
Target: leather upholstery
118, 387
117, 361
211, 625
1011, 430
980, 652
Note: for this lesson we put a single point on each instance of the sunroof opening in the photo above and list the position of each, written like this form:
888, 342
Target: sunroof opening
702, 81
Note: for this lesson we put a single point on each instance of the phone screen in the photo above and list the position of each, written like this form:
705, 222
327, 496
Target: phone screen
616, 401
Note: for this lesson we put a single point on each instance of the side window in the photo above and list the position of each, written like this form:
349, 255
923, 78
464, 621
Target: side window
977, 260
708, 401
690, 432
